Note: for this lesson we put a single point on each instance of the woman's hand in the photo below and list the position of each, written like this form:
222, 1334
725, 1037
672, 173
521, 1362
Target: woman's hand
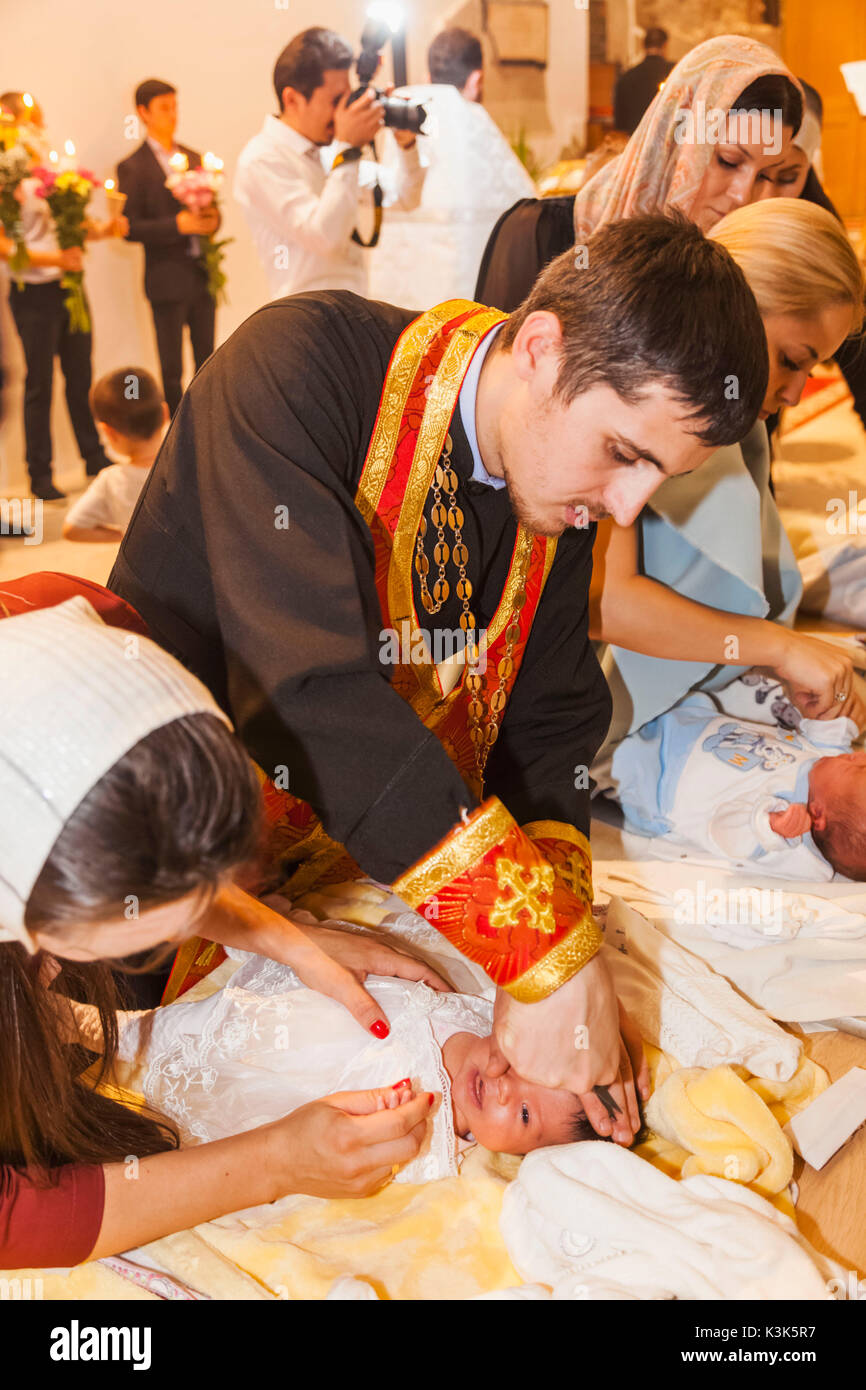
343, 1146
815, 673
333, 967
72, 259
348, 1144
234, 918
361, 954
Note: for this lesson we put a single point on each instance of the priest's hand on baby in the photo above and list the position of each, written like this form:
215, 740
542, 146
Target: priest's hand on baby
570, 1040
617, 1111
348, 1145
545, 1044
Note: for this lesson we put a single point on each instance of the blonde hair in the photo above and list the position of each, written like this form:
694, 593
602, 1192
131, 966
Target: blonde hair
795, 256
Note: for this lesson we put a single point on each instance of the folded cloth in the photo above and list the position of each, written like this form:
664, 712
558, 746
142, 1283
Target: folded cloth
683, 1007
818, 972
595, 1221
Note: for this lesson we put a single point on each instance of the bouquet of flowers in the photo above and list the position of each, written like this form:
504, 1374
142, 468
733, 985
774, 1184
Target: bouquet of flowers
15, 161
67, 195
197, 189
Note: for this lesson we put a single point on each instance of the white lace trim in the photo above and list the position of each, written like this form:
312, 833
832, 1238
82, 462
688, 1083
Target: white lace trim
198, 1055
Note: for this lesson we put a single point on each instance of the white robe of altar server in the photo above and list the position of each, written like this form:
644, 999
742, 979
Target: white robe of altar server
473, 176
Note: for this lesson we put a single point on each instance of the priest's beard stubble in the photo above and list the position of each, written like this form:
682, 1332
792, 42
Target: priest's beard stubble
530, 515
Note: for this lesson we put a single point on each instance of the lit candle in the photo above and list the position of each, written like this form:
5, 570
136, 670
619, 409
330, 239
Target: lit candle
179, 163
27, 100
212, 162
115, 200
68, 161
52, 156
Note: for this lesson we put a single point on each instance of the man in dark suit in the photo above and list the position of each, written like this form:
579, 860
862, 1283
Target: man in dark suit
174, 280
636, 87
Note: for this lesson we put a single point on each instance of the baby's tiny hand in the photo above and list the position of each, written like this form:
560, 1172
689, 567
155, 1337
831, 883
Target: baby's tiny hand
793, 822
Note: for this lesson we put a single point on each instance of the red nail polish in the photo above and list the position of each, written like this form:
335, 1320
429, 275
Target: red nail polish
401, 1085
380, 1029
430, 1099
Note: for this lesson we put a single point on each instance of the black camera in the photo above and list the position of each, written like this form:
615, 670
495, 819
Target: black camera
399, 115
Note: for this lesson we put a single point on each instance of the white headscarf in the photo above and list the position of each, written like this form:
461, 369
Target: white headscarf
76, 695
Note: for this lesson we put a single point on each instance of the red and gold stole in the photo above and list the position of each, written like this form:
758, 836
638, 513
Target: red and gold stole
418, 400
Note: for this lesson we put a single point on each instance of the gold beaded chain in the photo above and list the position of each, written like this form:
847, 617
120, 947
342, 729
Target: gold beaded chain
444, 476
483, 737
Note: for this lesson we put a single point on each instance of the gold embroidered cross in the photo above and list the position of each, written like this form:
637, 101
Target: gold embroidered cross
525, 886
573, 874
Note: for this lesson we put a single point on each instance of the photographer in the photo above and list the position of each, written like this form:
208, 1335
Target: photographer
473, 177
303, 207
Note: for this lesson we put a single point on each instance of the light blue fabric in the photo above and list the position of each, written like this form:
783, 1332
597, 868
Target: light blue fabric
646, 768
714, 536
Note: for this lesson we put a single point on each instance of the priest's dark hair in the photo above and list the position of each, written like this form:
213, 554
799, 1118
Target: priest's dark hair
171, 817
656, 37
152, 87
304, 62
648, 301
129, 400
453, 56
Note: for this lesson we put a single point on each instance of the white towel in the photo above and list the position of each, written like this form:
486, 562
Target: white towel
813, 968
595, 1221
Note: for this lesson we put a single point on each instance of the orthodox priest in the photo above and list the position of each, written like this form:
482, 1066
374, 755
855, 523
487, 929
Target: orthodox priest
346, 484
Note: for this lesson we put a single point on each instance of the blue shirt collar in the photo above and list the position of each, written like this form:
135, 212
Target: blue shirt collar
468, 394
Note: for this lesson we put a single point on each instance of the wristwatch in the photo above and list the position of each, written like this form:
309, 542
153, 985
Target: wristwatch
348, 156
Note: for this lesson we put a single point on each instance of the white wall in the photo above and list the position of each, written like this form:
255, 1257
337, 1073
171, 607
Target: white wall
83, 62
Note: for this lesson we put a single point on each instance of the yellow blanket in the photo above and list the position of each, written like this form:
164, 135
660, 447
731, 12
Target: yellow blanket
724, 1122
442, 1240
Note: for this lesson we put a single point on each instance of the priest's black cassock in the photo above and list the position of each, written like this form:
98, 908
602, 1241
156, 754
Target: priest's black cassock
284, 624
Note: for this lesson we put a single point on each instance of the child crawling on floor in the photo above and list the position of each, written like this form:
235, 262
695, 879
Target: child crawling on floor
265, 1044
789, 801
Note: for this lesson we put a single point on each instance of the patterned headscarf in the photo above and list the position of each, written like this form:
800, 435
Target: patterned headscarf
656, 173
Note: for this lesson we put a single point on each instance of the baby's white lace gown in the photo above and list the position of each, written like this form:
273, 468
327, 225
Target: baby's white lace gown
264, 1045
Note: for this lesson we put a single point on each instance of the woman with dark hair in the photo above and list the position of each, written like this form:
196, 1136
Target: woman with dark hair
127, 806
675, 161
659, 172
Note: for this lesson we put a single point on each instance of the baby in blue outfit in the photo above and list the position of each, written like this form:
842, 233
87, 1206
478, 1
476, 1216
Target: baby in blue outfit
789, 800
